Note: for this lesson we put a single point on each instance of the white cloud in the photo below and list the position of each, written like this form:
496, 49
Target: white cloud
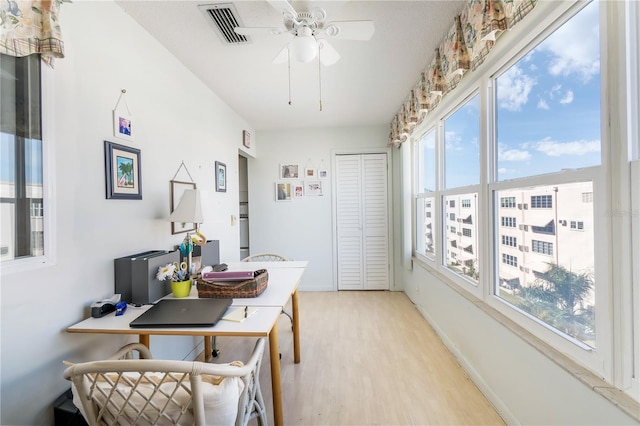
453, 141
514, 87
512, 154
505, 171
542, 104
568, 98
555, 149
575, 46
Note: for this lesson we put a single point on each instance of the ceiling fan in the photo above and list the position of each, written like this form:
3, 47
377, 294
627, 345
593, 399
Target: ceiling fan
310, 33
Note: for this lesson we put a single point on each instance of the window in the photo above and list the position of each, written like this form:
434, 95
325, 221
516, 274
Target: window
452, 216
508, 222
509, 260
426, 176
550, 224
542, 247
547, 121
541, 202
510, 241
21, 159
508, 202
466, 232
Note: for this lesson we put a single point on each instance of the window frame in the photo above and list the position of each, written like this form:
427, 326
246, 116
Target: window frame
545, 20
49, 258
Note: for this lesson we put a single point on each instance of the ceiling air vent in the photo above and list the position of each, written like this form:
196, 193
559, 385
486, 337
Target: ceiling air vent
224, 18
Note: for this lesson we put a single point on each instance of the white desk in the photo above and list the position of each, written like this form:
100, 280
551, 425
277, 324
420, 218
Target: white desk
284, 278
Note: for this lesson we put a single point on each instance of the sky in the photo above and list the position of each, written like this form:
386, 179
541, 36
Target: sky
548, 111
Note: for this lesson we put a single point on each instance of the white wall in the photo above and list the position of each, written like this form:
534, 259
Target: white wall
524, 385
301, 229
176, 118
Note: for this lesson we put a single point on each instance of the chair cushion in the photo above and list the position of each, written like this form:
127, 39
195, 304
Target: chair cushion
220, 396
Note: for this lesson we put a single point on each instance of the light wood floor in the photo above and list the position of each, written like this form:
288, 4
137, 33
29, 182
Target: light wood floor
368, 358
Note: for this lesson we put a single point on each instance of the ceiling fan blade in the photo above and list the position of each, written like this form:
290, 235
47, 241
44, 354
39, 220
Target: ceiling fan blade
258, 30
285, 8
328, 55
282, 56
350, 30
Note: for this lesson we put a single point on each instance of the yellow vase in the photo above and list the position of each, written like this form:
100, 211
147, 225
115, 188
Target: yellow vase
181, 288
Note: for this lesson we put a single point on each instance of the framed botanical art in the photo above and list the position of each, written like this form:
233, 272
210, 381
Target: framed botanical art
289, 171
313, 188
176, 189
221, 177
283, 191
122, 172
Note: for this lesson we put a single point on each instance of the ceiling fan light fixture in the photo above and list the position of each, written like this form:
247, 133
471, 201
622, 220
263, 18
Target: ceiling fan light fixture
304, 46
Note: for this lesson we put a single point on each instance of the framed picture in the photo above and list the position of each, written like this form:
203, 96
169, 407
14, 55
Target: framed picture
122, 172
122, 125
246, 139
283, 191
176, 189
298, 190
221, 177
289, 171
322, 173
309, 173
313, 188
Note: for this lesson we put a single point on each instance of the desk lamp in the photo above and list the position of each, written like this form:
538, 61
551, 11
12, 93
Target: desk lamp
189, 210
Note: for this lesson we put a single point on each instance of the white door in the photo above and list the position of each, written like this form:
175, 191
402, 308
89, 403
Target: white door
362, 221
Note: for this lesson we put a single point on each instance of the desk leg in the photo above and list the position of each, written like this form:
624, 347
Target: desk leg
144, 339
296, 327
207, 347
276, 384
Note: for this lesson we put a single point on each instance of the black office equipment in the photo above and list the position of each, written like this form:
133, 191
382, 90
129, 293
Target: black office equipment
135, 276
209, 253
183, 313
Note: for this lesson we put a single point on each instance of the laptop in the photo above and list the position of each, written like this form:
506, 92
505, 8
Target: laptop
183, 313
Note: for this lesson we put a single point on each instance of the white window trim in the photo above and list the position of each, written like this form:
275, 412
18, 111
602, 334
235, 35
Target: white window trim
26, 264
505, 53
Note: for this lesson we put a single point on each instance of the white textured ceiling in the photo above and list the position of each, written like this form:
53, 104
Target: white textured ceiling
365, 87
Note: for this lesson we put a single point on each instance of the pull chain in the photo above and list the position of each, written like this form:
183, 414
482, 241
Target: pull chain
319, 77
289, 65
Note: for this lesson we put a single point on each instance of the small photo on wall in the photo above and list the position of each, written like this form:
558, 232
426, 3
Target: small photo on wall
313, 188
283, 191
289, 171
122, 125
298, 190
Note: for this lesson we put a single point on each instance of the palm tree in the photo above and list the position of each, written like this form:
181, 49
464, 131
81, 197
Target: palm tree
559, 297
126, 169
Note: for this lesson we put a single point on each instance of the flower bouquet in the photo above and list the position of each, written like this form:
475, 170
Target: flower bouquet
179, 277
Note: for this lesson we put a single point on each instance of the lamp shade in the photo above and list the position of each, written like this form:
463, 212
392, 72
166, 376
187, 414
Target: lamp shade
304, 45
189, 209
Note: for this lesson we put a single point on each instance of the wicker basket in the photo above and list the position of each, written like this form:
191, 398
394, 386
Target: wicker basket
234, 289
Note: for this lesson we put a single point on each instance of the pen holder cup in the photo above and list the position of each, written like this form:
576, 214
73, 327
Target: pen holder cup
181, 288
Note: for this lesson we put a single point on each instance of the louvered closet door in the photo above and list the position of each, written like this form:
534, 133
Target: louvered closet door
362, 222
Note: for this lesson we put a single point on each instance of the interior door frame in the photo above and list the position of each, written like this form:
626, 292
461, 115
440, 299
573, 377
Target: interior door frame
334, 208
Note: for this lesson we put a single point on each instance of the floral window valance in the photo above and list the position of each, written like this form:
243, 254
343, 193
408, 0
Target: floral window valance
465, 47
31, 27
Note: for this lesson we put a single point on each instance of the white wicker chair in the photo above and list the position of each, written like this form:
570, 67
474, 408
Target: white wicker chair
265, 257
147, 391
